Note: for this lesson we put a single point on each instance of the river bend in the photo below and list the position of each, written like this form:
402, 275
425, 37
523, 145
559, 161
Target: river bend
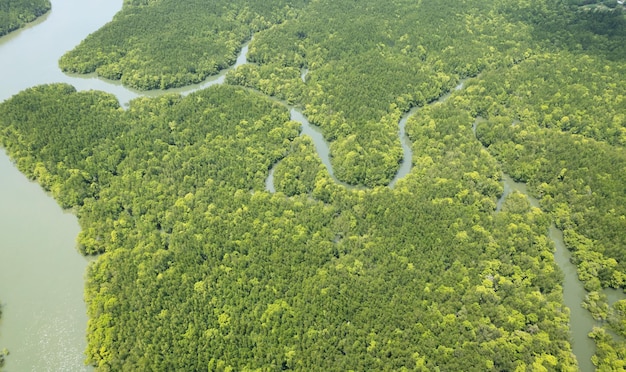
41, 283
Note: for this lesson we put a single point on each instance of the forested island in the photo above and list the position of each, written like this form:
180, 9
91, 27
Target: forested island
16, 13
200, 267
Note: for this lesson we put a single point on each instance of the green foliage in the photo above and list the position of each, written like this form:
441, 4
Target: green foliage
165, 44
62, 150
560, 128
203, 269
300, 171
16, 13
618, 318
611, 354
370, 61
555, 120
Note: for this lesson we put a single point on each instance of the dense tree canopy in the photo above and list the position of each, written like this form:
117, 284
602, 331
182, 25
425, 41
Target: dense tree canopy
200, 267
364, 71
16, 13
165, 44
556, 121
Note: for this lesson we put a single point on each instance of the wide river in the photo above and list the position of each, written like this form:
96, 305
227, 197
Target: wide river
44, 317
41, 273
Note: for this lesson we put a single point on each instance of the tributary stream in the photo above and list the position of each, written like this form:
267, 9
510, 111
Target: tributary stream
41, 273
574, 293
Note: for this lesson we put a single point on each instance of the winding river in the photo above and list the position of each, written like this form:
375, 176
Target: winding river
574, 293
407, 157
573, 290
323, 149
41, 273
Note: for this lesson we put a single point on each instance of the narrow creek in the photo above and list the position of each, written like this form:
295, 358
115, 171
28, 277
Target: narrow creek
29, 327
405, 142
407, 152
323, 148
574, 293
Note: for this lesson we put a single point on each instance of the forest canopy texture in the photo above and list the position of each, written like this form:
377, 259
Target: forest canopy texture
16, 13
200, 267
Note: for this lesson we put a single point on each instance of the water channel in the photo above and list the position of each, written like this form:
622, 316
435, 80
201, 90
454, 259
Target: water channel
574, 293
41, 279
323, 149
405, 142
44, 318
41, 273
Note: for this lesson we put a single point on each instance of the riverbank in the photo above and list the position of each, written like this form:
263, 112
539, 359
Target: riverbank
44, 319
41, 279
